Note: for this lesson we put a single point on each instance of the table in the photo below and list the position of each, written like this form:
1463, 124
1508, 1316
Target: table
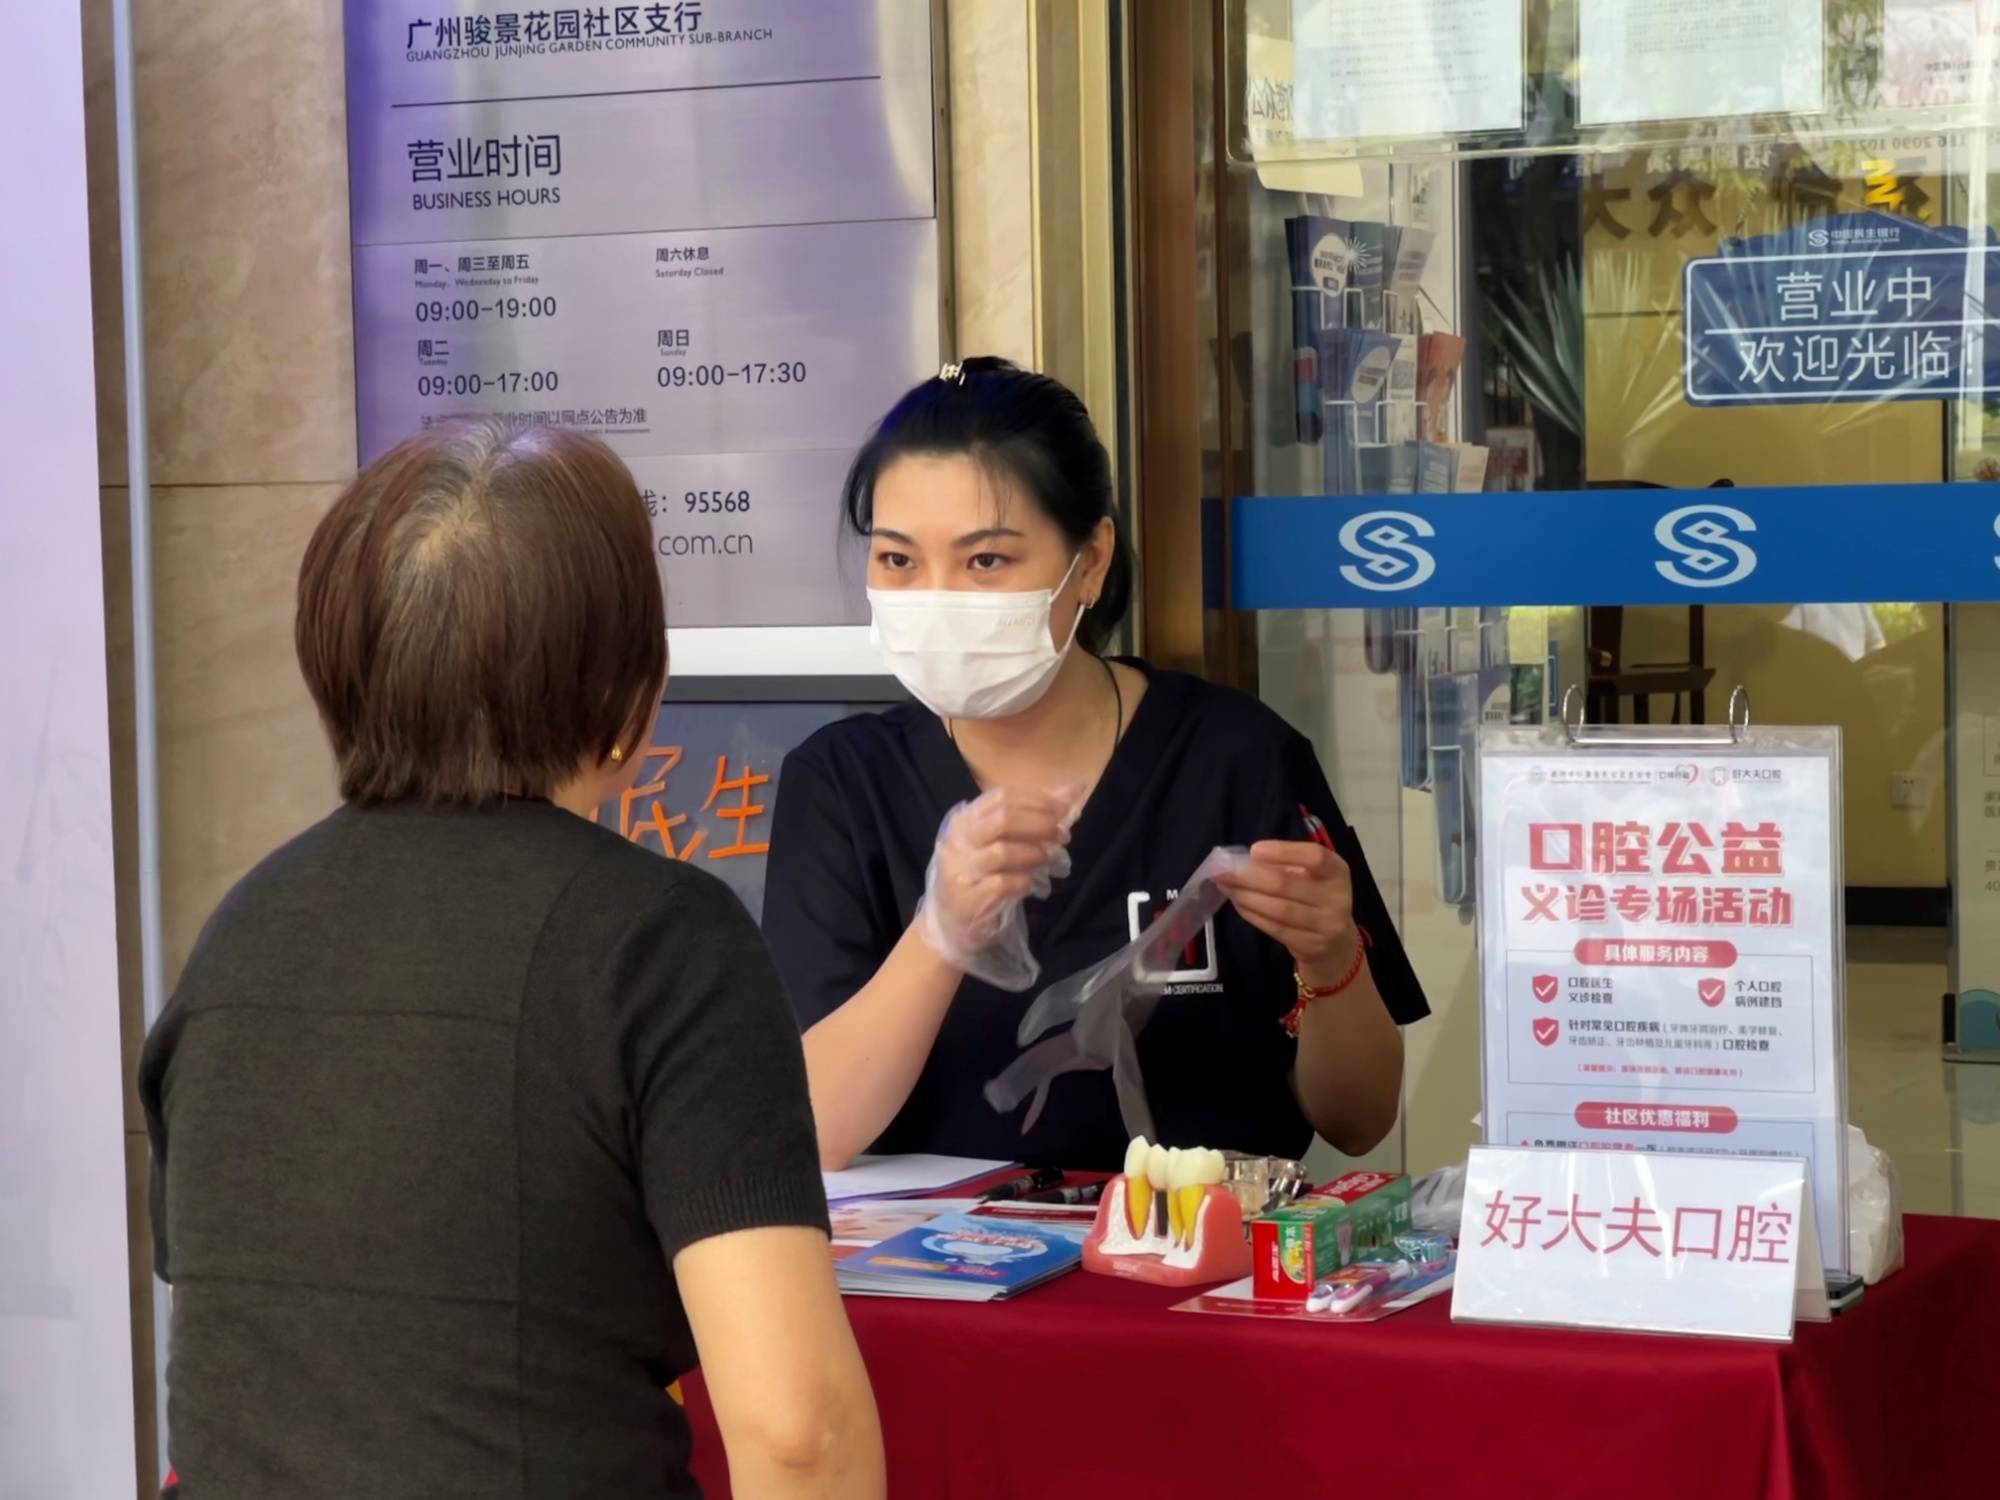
1091, 1387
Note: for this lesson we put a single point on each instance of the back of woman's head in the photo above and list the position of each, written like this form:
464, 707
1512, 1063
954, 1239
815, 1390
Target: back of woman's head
480, 615
1028, 428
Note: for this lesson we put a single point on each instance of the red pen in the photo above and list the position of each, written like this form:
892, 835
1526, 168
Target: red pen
1315, 829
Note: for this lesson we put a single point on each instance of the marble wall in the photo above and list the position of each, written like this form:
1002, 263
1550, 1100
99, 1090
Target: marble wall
250, 374
992, 177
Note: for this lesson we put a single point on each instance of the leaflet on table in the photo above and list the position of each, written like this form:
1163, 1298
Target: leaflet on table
962, 1258
911, 1176
1699, 59
1660, 951
1235, 1301
723, 341
752, 539
625, 118
1418, 68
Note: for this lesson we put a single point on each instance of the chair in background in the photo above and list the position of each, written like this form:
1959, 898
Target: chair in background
1610, 681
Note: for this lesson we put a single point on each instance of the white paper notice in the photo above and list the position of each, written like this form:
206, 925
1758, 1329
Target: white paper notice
1940, 52
1700, 59
1413, 68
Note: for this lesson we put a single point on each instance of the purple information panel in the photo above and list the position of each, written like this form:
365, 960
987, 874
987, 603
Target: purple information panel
706, 232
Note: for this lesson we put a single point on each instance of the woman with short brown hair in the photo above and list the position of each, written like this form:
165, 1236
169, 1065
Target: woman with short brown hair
473, 1124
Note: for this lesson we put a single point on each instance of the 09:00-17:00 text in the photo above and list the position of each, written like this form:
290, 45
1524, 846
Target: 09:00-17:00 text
507, 382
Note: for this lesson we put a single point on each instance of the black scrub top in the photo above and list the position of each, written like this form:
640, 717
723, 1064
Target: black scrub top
1200, 765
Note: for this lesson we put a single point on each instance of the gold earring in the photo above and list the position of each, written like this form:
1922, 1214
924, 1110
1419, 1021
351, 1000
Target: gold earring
617, 754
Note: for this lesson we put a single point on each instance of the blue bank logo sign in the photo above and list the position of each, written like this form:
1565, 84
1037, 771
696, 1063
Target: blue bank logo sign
1705, 546
1388, 559
1795, 544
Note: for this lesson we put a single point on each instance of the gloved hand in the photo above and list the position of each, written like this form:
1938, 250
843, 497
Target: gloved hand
993, 854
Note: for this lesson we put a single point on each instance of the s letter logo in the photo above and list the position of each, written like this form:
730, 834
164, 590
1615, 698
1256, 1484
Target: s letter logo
1705, 541
1387, 560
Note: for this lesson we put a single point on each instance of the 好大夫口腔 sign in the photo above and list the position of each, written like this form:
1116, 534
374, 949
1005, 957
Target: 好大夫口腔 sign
1604, 1239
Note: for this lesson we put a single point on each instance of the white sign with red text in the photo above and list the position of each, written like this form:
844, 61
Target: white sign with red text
1660, 945
1717, 1245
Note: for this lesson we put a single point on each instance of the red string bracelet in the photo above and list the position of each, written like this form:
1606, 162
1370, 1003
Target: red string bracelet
1307, 994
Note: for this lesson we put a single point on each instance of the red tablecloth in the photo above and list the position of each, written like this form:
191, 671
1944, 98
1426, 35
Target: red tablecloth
1091, 1387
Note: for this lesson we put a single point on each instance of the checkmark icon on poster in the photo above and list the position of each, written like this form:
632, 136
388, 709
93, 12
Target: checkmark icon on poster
1546, 986
1547, 1029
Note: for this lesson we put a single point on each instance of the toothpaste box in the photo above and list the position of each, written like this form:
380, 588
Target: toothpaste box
1293, 1247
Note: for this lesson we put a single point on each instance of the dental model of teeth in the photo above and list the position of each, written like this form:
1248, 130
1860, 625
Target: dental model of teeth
1168, 1219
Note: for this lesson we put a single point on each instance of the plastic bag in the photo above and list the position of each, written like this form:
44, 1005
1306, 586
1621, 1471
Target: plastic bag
1437, 1200
996, 952
1874, 1211
1109, 1004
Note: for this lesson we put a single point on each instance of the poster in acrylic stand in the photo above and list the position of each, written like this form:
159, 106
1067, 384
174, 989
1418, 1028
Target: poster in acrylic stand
1661, 948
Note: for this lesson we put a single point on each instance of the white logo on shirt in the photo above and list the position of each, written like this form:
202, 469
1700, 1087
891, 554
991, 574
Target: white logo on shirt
1198, 959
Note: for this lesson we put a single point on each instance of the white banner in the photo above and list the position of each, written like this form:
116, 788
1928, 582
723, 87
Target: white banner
1661, 956
66, 1421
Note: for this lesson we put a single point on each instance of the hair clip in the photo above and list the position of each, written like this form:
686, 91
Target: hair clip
953, 373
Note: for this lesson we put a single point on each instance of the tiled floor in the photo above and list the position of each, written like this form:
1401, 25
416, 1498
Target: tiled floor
1939, 1121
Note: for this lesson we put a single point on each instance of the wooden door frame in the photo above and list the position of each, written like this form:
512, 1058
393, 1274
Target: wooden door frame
1179, 273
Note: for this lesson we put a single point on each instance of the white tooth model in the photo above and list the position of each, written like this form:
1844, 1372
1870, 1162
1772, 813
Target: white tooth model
1168, 1219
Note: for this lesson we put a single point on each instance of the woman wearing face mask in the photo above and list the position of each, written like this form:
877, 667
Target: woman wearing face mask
996, 576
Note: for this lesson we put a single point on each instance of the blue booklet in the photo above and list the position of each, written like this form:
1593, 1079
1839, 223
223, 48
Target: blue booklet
961, 1258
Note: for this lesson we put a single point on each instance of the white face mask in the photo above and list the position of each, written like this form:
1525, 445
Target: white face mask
965, 654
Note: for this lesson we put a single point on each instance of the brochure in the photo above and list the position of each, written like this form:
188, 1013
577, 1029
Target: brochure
964, 1258
869, 1221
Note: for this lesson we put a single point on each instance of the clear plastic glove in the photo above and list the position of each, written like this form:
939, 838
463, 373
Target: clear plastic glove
992, 856
1109, 1004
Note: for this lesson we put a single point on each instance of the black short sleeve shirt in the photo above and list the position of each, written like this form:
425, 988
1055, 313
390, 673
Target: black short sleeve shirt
1199, 766
438, 1099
